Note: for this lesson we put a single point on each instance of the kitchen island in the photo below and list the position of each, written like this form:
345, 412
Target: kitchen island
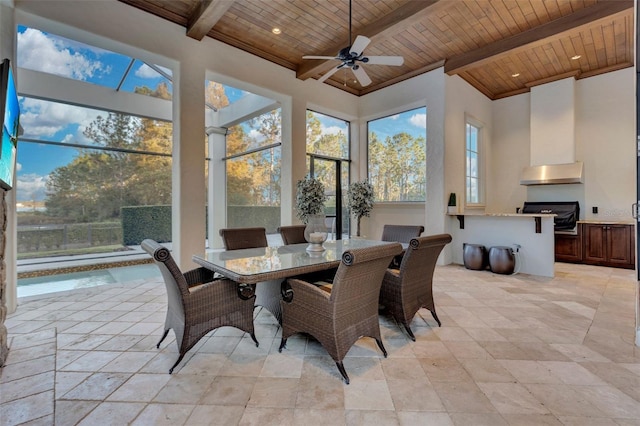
531, 234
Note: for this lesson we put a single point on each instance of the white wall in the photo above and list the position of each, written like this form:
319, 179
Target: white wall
511, 132
464, 101
605, 141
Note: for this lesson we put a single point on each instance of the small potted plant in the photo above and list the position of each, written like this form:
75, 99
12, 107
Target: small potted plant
310, 198
360, 201
451, 205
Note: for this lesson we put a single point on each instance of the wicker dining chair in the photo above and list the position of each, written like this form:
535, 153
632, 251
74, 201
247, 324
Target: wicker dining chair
337, 319
401, 233
404, 291
242, 238
198, 302
293, 234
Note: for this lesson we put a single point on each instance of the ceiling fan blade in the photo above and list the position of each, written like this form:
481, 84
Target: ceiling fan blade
362, 76
318, 57
359, 45
328, 74
384, 60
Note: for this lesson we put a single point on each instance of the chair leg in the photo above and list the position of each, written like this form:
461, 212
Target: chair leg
253, 336
163, 336
435, 317
177, 362
409, 332
381, 346
283, 343
342, 371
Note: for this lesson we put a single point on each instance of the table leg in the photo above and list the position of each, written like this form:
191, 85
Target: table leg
268, 296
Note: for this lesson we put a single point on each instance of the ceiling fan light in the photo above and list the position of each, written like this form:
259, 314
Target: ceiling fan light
276, 30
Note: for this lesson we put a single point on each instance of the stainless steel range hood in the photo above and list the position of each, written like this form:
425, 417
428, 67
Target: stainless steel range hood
553, 174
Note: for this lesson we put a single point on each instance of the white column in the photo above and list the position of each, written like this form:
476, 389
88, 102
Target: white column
217, 192
188, 195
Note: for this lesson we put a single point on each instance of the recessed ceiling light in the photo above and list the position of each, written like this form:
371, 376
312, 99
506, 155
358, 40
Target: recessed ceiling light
574, 57
515, 74
276, 30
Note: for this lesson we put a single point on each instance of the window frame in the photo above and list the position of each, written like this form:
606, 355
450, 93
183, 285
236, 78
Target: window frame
480, 175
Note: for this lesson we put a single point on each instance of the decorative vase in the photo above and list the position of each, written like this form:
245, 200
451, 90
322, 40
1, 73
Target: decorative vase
315, 232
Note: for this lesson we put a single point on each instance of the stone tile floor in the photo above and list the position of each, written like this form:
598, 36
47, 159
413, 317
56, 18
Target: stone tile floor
512, 350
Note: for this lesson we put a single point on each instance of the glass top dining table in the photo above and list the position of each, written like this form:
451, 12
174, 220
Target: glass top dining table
250, 266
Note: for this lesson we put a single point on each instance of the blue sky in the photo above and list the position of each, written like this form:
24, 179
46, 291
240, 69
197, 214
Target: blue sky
413, 122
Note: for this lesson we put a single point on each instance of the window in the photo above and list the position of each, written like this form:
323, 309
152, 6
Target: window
397, 156
473, 152
78, 61
252, 156
328, 148
82, 169
78, 169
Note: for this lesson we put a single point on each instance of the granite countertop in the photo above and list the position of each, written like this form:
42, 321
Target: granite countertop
621, 221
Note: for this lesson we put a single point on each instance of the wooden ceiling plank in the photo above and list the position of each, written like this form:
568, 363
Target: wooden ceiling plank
381, 26
206, 15
574, 74
615, 67
490, 52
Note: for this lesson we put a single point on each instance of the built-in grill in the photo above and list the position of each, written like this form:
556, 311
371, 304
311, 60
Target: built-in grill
567, 213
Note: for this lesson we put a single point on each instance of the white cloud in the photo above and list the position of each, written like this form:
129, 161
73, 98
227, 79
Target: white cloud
42, 118
394, 117
18, 167
419, 120
145, 71
332, 130
254, 134
39, 52
31, 187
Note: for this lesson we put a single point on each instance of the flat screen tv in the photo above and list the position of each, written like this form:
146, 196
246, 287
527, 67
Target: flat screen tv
10, 112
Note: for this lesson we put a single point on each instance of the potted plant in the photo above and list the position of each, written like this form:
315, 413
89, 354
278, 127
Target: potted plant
451, 205
310, 198
360, 201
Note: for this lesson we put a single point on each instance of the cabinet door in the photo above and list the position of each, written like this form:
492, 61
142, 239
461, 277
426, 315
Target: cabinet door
619, 245
568, 248
594, 247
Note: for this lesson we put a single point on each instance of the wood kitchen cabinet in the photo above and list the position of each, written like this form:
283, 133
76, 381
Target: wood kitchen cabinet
568, 248
608, 244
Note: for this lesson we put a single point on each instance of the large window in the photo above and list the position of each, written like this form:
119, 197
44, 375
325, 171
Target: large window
397, 156
252, 155
328, 152
473, 177
82, 169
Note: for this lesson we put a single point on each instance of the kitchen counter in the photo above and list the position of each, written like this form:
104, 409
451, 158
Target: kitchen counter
537, 217
531, 234
609, 222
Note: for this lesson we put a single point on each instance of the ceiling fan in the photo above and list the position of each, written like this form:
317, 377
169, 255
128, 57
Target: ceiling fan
352, 56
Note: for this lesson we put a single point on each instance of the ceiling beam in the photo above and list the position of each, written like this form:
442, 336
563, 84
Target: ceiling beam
389, 23
494, 51
205, 16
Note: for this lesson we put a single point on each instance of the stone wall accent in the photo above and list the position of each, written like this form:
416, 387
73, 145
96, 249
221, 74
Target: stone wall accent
4, 348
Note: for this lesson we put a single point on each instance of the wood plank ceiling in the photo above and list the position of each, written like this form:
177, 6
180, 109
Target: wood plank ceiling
501, 47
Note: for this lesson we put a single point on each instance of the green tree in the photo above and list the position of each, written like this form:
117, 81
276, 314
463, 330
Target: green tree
97, 183
397, 167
